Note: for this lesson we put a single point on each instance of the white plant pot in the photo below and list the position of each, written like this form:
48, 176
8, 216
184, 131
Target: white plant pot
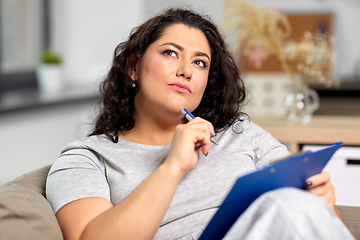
49, 79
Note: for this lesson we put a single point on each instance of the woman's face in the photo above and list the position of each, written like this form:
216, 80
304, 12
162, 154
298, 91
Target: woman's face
173, 72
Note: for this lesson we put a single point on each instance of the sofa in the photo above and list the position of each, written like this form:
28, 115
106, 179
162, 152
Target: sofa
26, 214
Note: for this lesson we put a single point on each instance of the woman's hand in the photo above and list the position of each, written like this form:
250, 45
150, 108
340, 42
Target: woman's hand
321, 186
189, 140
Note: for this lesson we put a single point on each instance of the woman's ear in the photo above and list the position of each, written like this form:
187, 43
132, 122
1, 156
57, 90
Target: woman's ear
132, 75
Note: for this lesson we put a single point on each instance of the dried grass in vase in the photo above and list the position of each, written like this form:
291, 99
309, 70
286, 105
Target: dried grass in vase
262, 32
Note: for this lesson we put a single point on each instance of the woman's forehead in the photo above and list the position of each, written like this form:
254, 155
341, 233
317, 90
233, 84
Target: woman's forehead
185, 36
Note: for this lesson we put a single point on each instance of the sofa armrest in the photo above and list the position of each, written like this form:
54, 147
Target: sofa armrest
24, 211
351, 217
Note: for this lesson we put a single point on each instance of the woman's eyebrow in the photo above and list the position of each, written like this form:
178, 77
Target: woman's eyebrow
181, 48
202, 54
173, 44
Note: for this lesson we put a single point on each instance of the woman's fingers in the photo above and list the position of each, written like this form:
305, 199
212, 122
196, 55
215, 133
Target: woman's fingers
321, 186
197, 133
200, 127
317, 180
188, 142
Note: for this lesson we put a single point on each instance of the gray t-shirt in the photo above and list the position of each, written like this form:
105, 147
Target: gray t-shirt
97, 167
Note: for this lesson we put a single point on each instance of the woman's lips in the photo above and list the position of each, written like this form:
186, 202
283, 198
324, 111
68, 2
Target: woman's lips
182, 88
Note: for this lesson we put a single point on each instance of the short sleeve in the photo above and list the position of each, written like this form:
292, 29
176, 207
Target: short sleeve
266, 147
76, 174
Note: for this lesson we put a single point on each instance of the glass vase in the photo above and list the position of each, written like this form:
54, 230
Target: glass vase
300, 104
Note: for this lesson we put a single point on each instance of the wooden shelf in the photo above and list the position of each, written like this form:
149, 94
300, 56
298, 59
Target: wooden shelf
320, 130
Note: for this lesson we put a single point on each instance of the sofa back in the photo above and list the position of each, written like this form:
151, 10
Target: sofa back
24, 211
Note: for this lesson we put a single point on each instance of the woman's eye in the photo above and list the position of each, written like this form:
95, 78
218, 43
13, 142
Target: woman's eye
170, 53
200, 63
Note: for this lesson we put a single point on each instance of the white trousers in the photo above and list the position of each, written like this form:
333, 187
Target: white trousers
288, 213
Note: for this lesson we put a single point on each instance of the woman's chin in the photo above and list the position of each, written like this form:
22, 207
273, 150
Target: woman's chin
177, 106
191, 105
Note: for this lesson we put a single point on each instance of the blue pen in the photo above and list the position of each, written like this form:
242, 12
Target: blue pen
190, 117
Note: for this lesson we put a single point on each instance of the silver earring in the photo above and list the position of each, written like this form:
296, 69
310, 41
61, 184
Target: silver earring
133, 84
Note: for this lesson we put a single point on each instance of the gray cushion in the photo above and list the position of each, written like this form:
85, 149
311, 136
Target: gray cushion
24, 211
351, 216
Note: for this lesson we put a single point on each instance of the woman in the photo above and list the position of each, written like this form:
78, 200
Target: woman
145, 172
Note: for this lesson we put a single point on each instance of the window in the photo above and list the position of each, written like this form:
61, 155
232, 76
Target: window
23, 36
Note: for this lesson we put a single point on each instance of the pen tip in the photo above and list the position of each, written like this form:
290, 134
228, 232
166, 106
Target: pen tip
213, 141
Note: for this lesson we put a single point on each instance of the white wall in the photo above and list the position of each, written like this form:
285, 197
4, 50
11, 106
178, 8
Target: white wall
212, 8
34, 138
86, 32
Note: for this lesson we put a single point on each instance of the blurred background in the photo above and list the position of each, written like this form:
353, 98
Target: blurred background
37, 119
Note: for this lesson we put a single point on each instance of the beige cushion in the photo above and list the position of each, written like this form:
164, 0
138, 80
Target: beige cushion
24, 211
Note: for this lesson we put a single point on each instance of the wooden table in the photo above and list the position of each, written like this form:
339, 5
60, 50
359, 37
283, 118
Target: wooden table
320, 130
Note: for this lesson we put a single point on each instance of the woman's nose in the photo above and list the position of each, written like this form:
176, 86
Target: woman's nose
185, 70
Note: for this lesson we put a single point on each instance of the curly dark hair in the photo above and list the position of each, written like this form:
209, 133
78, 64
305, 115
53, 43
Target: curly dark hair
224, 93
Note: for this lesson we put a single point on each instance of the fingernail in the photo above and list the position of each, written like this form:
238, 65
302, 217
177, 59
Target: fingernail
308, 183
206, 154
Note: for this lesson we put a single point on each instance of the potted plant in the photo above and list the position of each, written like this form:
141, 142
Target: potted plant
49, 73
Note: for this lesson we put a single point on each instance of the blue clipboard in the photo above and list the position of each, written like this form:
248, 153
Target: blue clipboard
288, 172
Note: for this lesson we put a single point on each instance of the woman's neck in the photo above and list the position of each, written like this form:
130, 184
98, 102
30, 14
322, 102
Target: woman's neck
150, 132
